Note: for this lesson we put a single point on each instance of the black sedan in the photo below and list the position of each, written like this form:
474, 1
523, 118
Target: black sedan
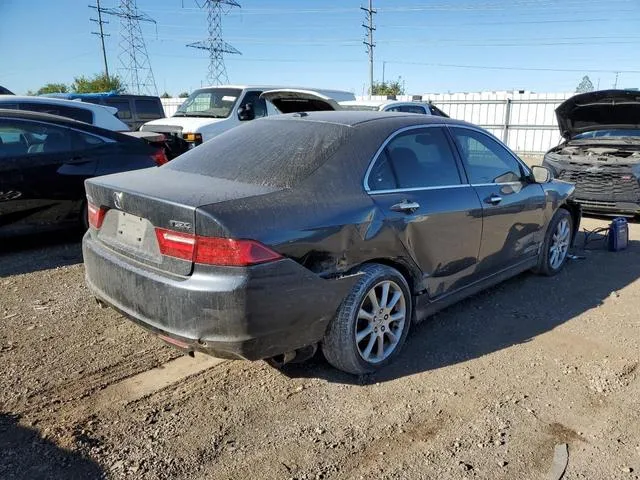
44, 161
337, 229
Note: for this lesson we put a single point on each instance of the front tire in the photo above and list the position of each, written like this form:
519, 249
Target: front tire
556, 244
372, 322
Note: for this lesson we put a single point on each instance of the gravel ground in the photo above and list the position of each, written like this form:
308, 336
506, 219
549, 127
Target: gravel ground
485, 389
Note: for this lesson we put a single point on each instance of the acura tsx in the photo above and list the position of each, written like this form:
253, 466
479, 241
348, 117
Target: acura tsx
330, 229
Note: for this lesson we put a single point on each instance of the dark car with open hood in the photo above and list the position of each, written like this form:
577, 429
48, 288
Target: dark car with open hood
331, 229
600, 153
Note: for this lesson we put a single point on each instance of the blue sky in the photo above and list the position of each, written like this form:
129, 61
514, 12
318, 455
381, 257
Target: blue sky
434, 45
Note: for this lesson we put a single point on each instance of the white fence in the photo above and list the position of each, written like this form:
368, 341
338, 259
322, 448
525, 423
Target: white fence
524, 121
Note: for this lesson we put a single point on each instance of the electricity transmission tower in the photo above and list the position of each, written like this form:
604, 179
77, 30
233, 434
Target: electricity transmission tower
137, 75
214, 43
368, 26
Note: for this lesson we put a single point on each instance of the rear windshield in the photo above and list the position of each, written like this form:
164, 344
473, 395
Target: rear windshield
80, 114
276, 153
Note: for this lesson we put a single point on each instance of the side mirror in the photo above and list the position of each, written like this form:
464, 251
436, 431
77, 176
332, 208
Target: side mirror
541, 174
246, 113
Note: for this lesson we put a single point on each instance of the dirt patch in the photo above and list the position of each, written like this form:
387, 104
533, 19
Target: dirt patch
484, 389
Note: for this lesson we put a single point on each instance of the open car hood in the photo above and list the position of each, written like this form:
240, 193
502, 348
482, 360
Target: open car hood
293, 100
605, 109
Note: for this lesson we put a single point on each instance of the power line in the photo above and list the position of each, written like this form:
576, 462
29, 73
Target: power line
368, 26
101, 34
214, 43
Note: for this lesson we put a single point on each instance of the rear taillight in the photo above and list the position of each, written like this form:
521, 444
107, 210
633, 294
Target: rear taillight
213, 250
96, 215
160, 157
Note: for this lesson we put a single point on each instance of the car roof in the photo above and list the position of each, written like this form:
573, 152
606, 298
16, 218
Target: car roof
71, 96
353, 118
47, 117
53, 101
380, 103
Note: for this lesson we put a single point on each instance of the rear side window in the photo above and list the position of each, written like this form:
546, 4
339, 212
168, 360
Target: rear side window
278, 153
418, 158
147, 109
80, 114
124, 109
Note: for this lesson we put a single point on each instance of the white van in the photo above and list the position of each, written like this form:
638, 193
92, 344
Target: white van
209, 111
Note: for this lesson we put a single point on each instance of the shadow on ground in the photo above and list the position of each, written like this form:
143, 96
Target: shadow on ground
509, 314
24, 455
33, 253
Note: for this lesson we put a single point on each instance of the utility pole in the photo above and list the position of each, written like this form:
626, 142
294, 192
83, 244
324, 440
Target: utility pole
384, 64
214, 43
134, 59
368, 26
100, 22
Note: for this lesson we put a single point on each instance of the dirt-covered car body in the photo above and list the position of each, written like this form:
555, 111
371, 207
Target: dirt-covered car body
600, 153
253, 258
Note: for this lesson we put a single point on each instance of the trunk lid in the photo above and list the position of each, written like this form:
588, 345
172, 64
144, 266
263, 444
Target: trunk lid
138, 203
296, 100
602, 110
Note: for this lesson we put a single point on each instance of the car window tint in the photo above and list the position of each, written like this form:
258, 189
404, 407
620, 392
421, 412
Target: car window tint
80, 114
259, 104
147, 109
25, 138
415, 159
485, 160
408, 109
436, 111
123, 106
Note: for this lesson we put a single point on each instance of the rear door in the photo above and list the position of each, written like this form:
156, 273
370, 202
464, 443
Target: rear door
512, 206
418, 183
42, 174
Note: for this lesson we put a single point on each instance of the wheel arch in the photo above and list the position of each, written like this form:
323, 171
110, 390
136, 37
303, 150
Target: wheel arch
575, 211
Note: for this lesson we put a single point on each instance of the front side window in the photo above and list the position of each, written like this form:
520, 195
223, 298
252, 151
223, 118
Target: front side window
147, 109
80, 114
209, 102
20, 138
123, 106
485, 160
415, 159
258, 104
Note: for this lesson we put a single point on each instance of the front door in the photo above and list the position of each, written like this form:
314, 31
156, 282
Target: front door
512, 205
417, 183
42, 169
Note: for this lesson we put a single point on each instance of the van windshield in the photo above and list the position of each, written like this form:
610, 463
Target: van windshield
209, 102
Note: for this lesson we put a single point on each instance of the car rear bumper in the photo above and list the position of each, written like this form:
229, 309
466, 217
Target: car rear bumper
229, 312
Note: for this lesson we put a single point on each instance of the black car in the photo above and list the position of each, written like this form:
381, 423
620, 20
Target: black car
330, 228
44, 161
601, 150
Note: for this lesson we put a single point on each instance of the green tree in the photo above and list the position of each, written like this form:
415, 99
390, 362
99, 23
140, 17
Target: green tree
53, 88
388, 88
165, 95
184, 95
97, 83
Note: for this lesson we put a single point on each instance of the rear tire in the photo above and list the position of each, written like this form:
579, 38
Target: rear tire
557, 241
372, 322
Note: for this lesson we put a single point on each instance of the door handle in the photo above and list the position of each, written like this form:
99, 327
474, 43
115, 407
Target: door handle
494, 199
405, 206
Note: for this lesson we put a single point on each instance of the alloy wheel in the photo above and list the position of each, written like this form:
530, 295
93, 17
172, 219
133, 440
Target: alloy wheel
560, 244
380, 321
